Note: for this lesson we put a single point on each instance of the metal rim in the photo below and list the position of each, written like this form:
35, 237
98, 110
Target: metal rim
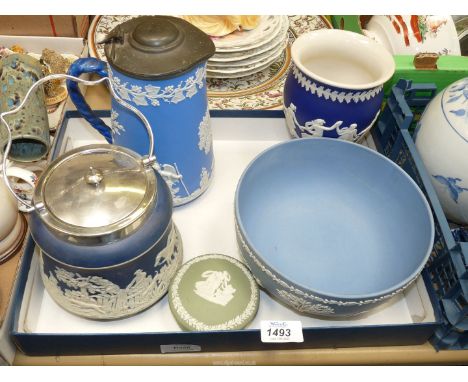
120, 228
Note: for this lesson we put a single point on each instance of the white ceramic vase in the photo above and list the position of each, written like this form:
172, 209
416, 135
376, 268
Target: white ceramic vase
442, 142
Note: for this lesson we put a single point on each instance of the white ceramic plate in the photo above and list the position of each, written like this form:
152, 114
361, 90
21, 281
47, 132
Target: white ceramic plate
263, 89
411, 34
250, 63
248, 39
231, 57
268, 28
100, 28
260, 90
247, 72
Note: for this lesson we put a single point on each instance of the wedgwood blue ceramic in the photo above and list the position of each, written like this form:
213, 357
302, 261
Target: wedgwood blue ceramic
335, 84
158, 65
111, 274
87, 265
101, 216
330, 227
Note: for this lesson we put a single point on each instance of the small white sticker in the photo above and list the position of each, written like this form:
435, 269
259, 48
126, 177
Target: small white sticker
281, 331
179, 348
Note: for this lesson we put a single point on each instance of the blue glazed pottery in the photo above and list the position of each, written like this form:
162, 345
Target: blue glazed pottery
108, 245
158, 65
335, 84
330, 227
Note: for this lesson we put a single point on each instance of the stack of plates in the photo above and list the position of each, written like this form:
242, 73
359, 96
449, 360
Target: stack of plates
262, 89
244, 53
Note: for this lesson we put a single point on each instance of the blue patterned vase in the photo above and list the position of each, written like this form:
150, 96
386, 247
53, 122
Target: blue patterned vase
335, 85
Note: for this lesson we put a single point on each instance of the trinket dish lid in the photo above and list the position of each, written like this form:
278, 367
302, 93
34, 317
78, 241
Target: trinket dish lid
213, 292
156, 47
95, 191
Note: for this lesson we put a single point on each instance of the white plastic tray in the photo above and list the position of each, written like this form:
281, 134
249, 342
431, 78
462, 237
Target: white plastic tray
207, 226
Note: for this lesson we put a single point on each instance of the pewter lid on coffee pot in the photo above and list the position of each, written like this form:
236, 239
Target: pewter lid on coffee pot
156, 47
100, 191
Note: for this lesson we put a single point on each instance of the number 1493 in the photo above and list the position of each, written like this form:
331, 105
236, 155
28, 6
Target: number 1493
279, 332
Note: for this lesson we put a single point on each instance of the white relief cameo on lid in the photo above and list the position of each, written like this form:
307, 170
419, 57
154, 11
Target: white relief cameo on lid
215, 287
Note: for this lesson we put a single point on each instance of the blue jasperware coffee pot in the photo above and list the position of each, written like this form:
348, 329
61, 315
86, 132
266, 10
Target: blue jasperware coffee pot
158, 65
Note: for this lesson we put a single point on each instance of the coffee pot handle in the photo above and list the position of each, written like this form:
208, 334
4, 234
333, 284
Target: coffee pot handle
150, 160
77, 68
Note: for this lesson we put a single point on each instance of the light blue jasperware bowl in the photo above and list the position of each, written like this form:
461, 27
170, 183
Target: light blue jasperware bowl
330, 227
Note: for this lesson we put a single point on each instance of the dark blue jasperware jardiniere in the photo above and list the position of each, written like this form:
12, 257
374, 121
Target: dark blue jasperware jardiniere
334, 87
330, 227
158, 65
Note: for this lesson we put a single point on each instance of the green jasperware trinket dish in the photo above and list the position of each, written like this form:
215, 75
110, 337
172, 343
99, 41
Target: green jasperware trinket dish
213, 292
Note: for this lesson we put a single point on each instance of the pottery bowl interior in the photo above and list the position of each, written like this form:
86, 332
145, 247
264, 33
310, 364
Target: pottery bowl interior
342, 59
335, 218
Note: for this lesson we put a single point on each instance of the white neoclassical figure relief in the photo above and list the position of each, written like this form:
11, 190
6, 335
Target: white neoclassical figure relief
99, 298
215, 287
317, 127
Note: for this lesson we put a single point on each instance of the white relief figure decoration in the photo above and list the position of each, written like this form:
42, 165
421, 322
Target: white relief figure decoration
248, 255
201, 326
291, 120
304, 306
116, 127
204, 178
334, 95
215, 287
153, 95
205, 134
99, 298
316, 127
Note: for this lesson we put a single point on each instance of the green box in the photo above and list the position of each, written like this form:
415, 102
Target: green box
347, 22
449, 68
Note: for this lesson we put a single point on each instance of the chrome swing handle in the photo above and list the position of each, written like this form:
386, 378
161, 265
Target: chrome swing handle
148, 161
